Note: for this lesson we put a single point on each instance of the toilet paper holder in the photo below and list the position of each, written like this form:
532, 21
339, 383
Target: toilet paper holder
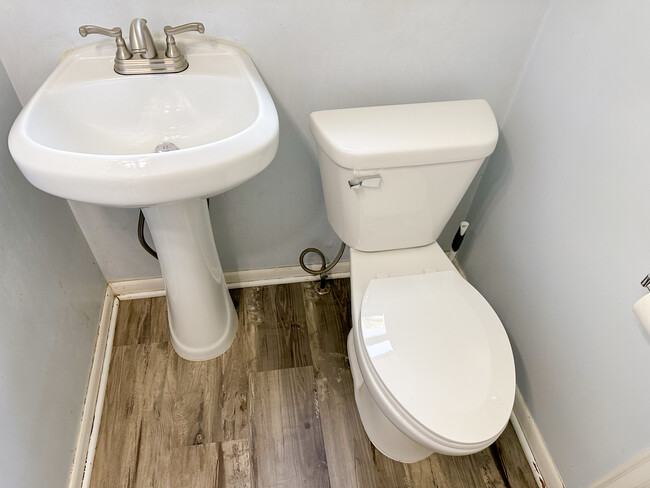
645, 282
641, 307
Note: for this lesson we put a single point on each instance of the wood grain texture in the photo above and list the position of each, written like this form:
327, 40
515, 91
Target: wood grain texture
236, 365
142, 322
196, 387
195, 466
356, 463
515, 467
282, 339
235, 464
133, 437
287, 442
276, 410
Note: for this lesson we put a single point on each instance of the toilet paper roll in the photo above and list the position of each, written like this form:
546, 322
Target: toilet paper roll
642, 311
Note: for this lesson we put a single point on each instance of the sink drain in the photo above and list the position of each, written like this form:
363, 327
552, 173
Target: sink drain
166, 147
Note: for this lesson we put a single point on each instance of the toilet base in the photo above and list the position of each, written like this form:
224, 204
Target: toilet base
382, 433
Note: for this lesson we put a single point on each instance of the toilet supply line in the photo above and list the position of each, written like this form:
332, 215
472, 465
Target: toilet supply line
321, 286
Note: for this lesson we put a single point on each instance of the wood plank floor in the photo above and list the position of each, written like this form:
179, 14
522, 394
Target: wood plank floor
276, 410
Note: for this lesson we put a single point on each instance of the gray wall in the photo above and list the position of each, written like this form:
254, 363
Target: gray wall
561, 238
51, 291
313, 55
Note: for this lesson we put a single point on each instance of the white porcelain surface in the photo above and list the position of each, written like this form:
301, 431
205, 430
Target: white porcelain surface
406, 135
390, 440
432, 366
202, 317
404, 145
89, 134
376, 404
410, 207
366, 266
435, 329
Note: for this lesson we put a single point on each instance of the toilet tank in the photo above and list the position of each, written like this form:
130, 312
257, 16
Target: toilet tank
393, 175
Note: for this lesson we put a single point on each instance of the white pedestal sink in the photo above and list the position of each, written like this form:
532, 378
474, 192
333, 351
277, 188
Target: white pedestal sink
90, 135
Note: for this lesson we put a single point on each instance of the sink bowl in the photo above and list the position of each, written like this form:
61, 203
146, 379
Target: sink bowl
91, 135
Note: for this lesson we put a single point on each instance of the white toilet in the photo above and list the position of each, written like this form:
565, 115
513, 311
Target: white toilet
432, 365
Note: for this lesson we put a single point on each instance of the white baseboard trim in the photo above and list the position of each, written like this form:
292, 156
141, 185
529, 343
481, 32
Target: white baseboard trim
276, 276
634, 473
144, 285
542, 465
94, 401
530, 457
149, 287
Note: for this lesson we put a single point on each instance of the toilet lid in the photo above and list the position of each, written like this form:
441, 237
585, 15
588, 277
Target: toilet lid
440, 351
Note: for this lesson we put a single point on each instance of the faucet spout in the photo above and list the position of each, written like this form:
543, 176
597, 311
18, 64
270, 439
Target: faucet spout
141, 40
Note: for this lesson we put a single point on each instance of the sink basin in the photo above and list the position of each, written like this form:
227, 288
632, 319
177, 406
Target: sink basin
91, 135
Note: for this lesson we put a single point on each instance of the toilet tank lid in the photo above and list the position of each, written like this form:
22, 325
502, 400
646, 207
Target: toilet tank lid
415, 134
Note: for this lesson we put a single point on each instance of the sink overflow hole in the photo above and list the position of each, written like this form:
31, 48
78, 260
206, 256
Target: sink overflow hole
166, 147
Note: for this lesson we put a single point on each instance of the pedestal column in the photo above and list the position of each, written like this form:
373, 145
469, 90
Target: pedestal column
202, 318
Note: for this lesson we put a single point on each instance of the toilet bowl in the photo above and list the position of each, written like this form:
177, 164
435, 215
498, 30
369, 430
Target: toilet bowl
432, 366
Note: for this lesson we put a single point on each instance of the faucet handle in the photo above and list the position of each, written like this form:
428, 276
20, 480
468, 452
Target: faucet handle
192, 26
122, 51
172, 51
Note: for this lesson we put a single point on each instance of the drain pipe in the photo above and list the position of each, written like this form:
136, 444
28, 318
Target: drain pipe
143, 241
160, 148
322, 287
141, 238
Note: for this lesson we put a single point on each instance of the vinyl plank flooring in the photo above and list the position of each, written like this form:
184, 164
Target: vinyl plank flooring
235, 464
352, 459
195, 466
133, 436
512, 459
477, 470
196, 387
236, 364
287, 441
276, 410
142, 322
282, 340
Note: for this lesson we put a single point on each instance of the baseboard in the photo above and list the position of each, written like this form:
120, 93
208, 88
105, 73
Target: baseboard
276, 276
533, 443
148, 287
634, 473
135, 287
530, 457
90, 416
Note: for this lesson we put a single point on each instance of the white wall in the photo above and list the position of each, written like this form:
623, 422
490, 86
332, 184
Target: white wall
561, 238
51, 291
313, 55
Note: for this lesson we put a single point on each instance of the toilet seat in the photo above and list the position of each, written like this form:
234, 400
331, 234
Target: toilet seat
410, 329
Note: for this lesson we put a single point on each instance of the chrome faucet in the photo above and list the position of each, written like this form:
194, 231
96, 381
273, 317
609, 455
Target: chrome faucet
143, 57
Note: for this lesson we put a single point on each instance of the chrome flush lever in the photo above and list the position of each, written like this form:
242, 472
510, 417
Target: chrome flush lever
172, 51
122, 51
368, 181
